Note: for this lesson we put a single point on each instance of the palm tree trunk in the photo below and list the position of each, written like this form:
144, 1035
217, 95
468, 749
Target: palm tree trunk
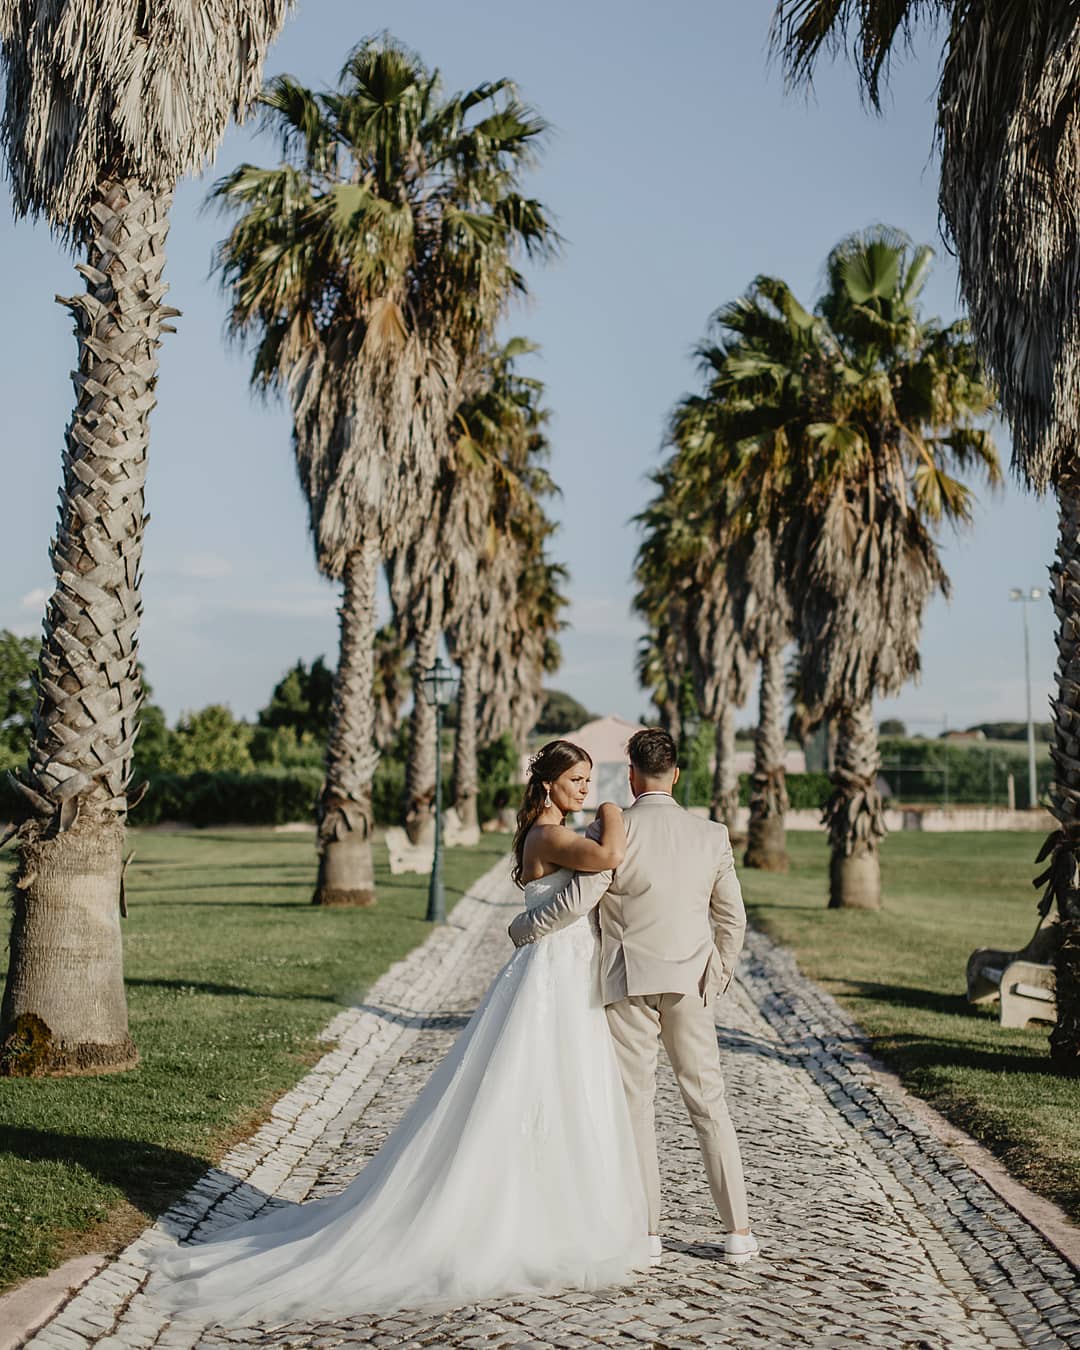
855, 814
466, 775
1063, 874
725, 793
346, 871
423, 762
671, 718
64, 1008
766, 846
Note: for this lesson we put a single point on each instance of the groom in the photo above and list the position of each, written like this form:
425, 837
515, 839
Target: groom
671, 925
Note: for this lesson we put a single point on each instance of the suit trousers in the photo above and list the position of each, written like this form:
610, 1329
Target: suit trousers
686, 1027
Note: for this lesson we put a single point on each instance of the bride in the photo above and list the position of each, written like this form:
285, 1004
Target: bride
514, 1172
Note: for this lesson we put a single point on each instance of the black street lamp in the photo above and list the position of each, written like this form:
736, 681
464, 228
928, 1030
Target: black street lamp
690, 726
439, 685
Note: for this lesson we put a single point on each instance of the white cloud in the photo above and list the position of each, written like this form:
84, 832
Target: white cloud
34, 599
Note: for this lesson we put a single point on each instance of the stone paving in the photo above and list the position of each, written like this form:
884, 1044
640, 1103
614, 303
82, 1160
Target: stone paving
873, 1232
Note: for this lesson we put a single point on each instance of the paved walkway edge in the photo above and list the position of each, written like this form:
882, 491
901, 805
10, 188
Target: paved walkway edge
973, 1217
1042, 1214
330, 1095
26, 1308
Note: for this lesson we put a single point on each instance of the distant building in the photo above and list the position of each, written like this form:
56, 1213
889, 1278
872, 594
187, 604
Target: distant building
968, 736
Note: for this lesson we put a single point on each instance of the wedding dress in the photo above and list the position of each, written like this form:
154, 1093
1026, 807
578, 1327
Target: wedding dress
514, 1172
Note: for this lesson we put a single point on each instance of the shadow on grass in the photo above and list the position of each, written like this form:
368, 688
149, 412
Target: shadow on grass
299, 906
908, 996
225, 990
167, 888
149, 1175
916, 1053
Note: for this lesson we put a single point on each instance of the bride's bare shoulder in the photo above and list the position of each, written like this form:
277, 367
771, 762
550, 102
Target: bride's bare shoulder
538, 862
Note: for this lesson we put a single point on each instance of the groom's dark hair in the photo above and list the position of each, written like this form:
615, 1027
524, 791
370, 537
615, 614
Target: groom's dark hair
653, 752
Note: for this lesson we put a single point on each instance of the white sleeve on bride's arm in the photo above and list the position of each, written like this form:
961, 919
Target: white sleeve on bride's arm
582, 892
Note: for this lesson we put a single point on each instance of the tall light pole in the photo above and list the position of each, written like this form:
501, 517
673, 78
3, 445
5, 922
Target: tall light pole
1034, 593
439, 684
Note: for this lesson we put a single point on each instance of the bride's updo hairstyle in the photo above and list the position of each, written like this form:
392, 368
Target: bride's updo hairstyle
549, 763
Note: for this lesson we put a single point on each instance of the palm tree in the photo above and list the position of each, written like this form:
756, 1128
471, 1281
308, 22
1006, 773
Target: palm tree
500, 482
766, 631
96, 134
440, 584
367, 267
849, 423
522, 646
686, 587
1006, 126
759, 596
391, 681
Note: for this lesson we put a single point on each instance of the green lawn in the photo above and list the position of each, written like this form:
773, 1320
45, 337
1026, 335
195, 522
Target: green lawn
900, 973
231, 973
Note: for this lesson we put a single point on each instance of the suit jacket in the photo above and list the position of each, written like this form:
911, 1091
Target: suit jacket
671, 915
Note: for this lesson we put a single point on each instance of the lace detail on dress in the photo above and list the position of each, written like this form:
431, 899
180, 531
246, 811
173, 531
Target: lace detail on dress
582, 937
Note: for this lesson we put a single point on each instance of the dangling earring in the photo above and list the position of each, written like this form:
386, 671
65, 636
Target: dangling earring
547, 801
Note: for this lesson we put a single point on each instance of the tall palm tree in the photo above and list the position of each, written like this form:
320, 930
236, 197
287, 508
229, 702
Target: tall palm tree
106, 106
367, 267
685, 583
440, 584
759, 590
391, 682
766, 631
522, 646
850, 423
500, 483
1007, 125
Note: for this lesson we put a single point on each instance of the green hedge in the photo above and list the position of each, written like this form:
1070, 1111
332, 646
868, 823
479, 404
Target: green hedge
274, 797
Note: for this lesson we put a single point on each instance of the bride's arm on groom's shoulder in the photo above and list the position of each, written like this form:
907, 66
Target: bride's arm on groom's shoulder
593, 860
582, 892
602, 847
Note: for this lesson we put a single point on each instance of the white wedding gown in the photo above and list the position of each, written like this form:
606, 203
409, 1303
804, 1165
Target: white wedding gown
514, 1172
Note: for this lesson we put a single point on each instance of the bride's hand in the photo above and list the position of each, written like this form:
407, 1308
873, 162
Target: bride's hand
613, 832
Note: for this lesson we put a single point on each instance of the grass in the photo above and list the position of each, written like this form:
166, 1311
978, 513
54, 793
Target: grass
900, 973
231, 973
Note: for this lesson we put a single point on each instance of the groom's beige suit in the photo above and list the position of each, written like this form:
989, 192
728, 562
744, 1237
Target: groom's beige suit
671, 928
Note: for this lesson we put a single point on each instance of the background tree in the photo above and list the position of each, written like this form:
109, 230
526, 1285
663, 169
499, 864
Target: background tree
18, 659
366, 267
301, 700
1007, 122
209, 741
292, 728
756, 596
96, 135
850, 423
491, 506
391, 684
561, 713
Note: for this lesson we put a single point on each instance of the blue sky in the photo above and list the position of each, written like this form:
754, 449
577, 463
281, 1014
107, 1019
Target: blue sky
678, 169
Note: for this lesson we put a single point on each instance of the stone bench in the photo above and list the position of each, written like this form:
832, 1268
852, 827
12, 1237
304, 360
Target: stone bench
1023, 981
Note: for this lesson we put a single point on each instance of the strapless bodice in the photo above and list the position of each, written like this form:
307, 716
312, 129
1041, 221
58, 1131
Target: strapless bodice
582, 937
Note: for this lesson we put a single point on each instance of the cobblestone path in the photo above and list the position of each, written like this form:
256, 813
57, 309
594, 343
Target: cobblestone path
873, 1232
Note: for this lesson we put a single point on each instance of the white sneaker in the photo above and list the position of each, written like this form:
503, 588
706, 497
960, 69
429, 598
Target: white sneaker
740, 1248
656, 1249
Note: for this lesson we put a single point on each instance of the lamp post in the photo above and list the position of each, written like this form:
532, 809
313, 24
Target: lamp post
1033, 593
439, 685
691, 723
